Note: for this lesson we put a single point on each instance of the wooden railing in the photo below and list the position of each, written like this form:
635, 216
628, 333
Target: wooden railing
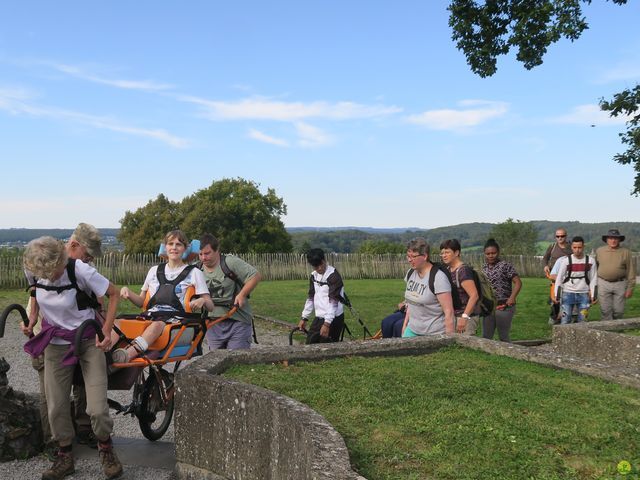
124, 269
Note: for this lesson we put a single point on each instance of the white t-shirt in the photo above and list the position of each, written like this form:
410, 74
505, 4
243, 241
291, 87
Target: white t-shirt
61, 309
195, 278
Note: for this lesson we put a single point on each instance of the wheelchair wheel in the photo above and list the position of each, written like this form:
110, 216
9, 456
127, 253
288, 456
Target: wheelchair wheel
156, 406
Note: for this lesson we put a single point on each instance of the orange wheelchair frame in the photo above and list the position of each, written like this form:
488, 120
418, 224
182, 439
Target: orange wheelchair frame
153, 385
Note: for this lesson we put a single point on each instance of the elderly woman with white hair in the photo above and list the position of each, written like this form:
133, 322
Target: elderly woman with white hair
65, 291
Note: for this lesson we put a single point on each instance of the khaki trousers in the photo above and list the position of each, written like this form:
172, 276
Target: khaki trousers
38, 365
58, 379
611, 298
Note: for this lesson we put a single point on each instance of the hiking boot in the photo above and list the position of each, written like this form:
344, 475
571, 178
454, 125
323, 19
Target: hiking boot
62, 466
111, 466
86, 437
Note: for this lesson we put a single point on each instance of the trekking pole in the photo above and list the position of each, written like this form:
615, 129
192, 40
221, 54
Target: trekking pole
356, 315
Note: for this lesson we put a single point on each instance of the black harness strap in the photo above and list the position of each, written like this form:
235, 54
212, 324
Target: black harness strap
166, 294
83, 299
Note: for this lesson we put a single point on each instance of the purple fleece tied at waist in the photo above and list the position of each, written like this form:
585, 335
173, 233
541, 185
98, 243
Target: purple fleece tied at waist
35, 346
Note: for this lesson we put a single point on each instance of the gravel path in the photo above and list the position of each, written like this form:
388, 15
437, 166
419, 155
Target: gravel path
22, 377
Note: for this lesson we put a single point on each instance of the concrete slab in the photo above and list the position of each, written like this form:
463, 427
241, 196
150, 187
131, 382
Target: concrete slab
136, 452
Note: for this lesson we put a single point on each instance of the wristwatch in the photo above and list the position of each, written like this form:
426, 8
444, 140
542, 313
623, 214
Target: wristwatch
465, 316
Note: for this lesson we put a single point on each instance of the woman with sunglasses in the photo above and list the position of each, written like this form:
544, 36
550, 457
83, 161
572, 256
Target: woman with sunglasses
429, 307
506, 284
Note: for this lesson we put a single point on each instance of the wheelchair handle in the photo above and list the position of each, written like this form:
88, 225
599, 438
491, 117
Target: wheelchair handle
81, 329
294, 330
5, 313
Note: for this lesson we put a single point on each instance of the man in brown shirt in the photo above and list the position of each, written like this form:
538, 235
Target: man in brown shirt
616, 275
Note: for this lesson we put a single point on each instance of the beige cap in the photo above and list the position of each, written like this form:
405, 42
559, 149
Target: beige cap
89, 237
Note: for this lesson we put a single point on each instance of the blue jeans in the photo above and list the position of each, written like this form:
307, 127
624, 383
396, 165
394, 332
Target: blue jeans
392, 325
581, 300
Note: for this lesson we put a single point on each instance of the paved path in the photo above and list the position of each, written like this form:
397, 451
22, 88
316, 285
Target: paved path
142, 459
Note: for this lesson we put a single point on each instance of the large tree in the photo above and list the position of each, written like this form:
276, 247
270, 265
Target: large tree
234, 210
141, 231
484, 30
515, 237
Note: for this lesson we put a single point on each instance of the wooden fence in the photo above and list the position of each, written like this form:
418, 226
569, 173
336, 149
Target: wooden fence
124, 269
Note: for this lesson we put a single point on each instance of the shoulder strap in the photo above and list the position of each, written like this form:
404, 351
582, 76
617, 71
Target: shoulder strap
432, 277
162, 278
408, 274
226, 270
71, 272
230, 273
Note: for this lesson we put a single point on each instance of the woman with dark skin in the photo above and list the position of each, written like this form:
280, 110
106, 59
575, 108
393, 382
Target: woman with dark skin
506, 284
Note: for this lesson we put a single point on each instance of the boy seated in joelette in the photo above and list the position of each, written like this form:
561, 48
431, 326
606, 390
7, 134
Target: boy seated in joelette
165, 290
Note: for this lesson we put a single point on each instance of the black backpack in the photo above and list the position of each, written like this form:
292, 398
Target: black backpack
83, 299
455, 297
587, 269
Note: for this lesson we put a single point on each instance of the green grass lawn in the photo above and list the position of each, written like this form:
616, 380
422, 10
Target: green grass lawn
375, 299
462, 414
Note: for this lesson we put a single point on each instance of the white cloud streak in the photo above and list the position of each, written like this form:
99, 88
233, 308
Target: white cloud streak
473, 113
621, 73
259, 108
312, 137
19, 102
589, 115
263, 137
83, 74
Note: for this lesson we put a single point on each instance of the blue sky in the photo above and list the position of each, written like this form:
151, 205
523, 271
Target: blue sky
357, 113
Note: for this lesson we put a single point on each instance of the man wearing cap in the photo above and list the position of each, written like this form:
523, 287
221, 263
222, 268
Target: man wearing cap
616, 275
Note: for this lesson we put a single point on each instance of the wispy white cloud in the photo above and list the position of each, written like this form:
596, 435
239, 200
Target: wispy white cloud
84, 74
21, 102
311, 137
263, 137
589, 115
622, 72
472, 114
260, 108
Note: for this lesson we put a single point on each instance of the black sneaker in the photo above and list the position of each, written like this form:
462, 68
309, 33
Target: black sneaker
86, 437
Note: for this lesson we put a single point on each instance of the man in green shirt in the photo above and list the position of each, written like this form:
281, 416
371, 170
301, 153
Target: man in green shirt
616, 275
230, 282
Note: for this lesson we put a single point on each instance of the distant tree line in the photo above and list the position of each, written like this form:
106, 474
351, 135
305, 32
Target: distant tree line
148, 225
515, 237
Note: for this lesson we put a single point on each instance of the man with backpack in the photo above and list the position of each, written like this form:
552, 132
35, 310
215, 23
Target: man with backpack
326, 298
578, 278
230, 280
